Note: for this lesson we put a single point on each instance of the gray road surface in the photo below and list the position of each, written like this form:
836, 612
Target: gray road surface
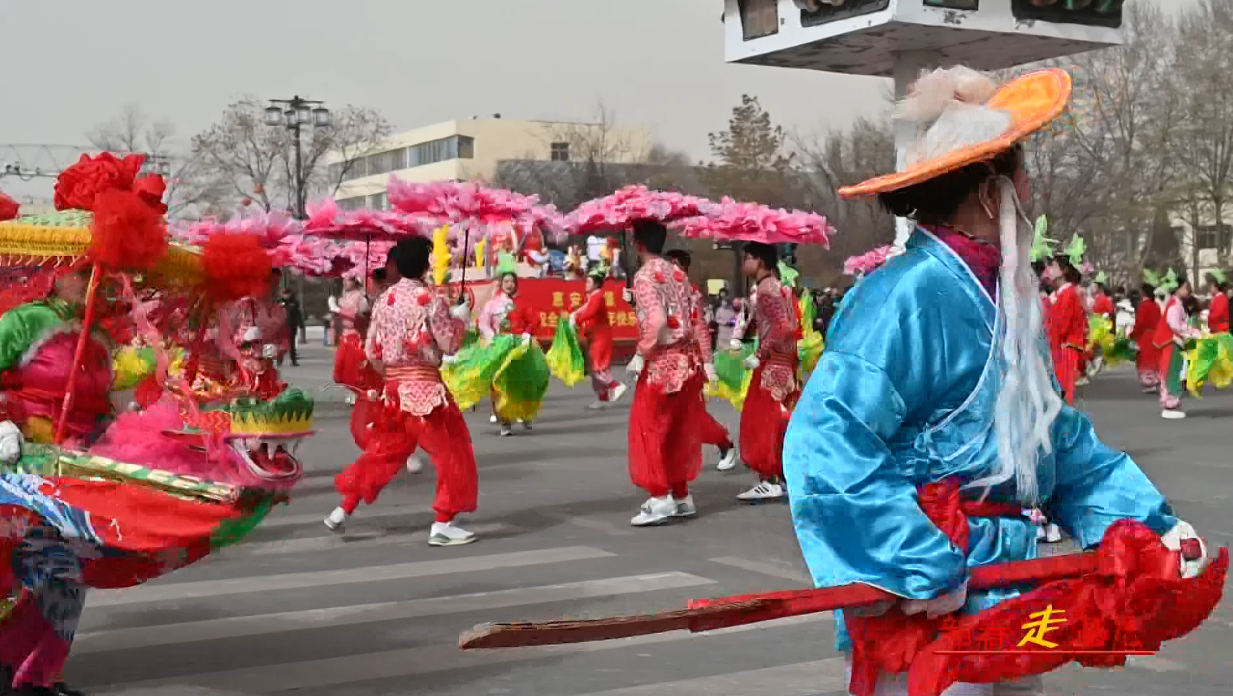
377, 611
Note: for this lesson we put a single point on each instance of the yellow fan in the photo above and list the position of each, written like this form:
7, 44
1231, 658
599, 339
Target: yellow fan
479, 252
441, 255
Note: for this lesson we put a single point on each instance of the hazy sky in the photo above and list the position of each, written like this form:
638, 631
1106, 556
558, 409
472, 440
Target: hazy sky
70, 64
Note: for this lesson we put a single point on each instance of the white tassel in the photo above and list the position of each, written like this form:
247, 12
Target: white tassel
1027, 405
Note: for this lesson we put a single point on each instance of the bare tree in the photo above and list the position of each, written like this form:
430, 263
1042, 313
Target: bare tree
1203, 139
257, 162
190, 193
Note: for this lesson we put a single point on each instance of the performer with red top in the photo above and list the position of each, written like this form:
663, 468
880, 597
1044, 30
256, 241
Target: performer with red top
1147, 317
412, 328
501, 314
1102, 304
1068, 330
712, 432
591, 319
350, 360
1218, 312
1172, 332
665, 443
774, 389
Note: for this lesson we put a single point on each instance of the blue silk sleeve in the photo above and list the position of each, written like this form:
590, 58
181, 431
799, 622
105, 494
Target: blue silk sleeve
854, 504
1096, 485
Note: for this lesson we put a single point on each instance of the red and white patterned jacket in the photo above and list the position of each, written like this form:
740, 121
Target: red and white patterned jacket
411, 330
668, 321
778, 332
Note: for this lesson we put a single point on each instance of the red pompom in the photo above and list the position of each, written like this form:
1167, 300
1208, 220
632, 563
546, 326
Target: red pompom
151, 189
391, 301
8, 208
658, 278
127, 233
236, 265
673, 323
678, 276
77, 186
422, 298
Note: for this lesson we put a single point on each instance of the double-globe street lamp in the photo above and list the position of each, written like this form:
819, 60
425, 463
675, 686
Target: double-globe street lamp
294, 114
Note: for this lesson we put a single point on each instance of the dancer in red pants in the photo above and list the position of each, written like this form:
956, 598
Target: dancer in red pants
412, 328
712, 432
591, 319
1068, 331
774, 389
665, 443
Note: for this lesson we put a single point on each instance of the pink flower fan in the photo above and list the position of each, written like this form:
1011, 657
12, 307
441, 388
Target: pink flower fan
753, 222
868, 262
452, 202
325, 219
271, 229
620, 210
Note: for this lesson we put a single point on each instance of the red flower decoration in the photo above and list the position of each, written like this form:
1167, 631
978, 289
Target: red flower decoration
673, 323
678, 276
151, 189
77, 186
658, 277
8, 208
126, 233
423, 299
390, 300
236, 265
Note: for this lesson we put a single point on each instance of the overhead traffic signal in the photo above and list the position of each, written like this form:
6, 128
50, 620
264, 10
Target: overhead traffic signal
816, 12
1101, 13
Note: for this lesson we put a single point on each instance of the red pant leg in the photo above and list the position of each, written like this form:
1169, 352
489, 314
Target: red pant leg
389, 443
764, 422
711, 432
1066, 366
665, 446
443, 434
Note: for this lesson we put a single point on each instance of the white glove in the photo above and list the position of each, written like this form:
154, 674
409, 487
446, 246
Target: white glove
251, 334
447, 359
269, 351
939, 606
711, 377
734, 344
635, 365
10, 443
462, 311
627, 294
752, 363
573, 320
1173, 541
526, 339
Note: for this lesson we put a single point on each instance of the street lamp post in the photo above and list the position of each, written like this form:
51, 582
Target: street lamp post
293, 114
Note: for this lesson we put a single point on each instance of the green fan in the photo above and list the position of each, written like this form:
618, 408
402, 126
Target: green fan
1219, 276
506, 264
1075, 250
1042, 246
788, 274
1151, 277
1101, 278
1169, 282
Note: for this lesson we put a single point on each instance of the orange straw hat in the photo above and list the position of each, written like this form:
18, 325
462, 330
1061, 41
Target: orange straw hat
963, 117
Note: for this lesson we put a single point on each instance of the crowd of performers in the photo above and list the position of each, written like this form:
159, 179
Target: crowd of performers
143, 423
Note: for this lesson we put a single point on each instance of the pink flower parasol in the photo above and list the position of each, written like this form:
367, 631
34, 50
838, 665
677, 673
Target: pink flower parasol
325, 219
271, 228
619, 211
753, 222
471, 203
868, 262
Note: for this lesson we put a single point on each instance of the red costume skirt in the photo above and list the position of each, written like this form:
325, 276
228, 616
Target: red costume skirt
393, 438
764, 422
351, 368
1066, 363
665, 443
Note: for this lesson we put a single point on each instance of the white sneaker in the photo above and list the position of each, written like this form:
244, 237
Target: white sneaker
655, 511
1082, 382
336, 520
1053, 534
414, 464
727, 461
526, 425
760, 492
492, 418
617, 392
1171, 414
685, 507
506, 431
446, 534
597, 406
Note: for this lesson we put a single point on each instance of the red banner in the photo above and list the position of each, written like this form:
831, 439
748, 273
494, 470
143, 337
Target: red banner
549, 298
